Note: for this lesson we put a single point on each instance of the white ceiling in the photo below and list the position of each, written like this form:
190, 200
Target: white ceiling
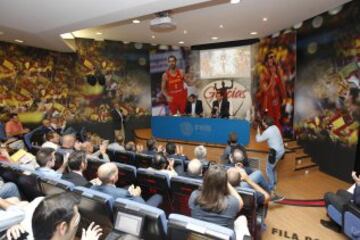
40, 22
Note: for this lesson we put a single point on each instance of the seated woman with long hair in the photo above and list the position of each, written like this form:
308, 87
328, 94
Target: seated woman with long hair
218, 202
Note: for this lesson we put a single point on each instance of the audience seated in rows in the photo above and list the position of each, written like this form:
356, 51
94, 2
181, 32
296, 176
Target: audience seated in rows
218, 202
231, 143
339, 200
9, 214
108, 175
175, 151
77, 163
67, 144
58, 217
237, 158
52, 140
14, 127
200, 153
163, 164
117, 145
130, 146
238, 177
8, 190
45, 157
194, 169
151, 148
88, 147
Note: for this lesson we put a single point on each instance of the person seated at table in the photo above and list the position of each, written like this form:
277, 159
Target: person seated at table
194, 106
220, 107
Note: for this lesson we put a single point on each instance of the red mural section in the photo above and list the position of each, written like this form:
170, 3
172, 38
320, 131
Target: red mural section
275, 64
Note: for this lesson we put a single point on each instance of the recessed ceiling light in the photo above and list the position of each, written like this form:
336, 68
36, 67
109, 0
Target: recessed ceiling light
18, 40
153, 36
235, 1
221, 26
181, 42
67, 36
98, 33
265, 19
136, 21
253, 33
185, 31
214, 38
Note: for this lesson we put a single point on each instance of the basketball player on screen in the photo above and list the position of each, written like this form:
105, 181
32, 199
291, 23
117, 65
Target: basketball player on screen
173, 87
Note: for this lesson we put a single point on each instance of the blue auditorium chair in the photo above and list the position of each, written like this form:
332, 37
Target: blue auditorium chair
95, 207
92, 166
181, 189
54, 186
334, 214
143, 160
184, 227
125, 157
127, 175
249, 209
351, 221
155, 182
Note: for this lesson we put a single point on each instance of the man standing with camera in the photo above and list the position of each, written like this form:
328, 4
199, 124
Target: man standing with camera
272, 135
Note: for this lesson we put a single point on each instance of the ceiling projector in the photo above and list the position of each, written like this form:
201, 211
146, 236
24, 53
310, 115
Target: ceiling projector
162, 23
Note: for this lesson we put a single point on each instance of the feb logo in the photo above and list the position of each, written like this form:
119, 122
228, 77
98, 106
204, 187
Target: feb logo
238, 96
186, 128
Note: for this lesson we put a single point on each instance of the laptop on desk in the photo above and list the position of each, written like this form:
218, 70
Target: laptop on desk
128, 226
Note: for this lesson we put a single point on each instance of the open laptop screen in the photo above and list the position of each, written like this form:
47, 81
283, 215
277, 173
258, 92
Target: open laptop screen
129, 223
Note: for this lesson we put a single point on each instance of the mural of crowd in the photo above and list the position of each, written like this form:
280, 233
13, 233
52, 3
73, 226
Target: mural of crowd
327, 99
40, 84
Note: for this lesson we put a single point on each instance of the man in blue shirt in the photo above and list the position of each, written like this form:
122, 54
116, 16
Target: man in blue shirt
45, 157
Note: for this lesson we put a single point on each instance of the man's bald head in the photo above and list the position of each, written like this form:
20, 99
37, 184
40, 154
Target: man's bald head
108, 173
234, 177
195, 168
238, 156
68, 141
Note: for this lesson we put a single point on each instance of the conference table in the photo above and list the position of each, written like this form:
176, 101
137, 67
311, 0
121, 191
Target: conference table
203, 130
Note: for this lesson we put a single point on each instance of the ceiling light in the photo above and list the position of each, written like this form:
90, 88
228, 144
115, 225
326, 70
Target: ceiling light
221, 26
235, 1
253, 33
264, 19
67, 36
214, 38
181, 42
18, 40
98, 33
185, 31
153, 36
136, 21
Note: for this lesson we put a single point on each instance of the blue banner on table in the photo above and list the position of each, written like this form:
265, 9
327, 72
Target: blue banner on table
208, 130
